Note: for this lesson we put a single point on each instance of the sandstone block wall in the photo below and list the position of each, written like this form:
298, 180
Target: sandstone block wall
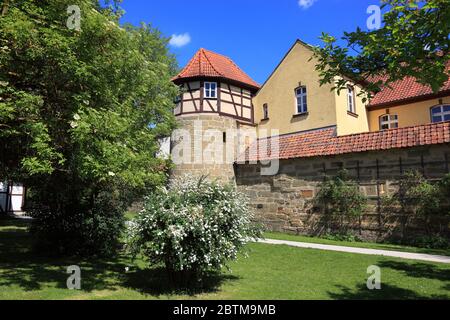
212, 165
282, 202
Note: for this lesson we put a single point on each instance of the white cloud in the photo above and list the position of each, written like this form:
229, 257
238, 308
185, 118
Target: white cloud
180, 40
305, 4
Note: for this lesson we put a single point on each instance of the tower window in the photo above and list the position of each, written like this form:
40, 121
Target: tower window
351, 99
302, 102
388, 121
265, 111
210, 90
440, 113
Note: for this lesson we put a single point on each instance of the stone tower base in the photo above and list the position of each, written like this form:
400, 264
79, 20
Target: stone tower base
200, 147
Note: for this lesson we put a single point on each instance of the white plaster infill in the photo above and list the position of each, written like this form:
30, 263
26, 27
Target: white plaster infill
375, 252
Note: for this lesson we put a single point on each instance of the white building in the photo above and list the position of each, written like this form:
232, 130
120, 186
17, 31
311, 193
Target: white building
12, 197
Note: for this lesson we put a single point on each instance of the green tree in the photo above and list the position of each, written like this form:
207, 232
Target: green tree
413, 41
81, 112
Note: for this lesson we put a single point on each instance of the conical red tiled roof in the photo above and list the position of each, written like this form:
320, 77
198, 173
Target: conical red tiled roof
206, 63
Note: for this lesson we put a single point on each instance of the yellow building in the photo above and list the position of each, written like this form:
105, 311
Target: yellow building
218, 100
408, 103
292, 100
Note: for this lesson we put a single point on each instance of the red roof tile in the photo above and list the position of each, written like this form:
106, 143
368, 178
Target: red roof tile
404, 90
206, 63
324, 142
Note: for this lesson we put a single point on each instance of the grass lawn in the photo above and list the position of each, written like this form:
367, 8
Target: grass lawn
271, 272
368, 245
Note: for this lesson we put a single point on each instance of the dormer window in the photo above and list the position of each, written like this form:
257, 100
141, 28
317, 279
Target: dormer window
388, 121
210, 90
302, 102
440, 113
351, 99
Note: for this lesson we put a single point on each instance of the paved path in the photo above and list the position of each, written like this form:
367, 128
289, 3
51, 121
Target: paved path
396, 254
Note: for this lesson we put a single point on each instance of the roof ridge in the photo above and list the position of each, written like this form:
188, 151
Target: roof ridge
210, 63
397, 129
200, 60
186, 67
292, 134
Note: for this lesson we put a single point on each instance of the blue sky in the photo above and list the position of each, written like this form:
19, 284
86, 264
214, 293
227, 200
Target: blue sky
256, 34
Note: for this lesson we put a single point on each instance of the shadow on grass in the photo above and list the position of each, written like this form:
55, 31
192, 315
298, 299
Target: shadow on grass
418, 270
387, 292
391, 292
19, 266
156, 282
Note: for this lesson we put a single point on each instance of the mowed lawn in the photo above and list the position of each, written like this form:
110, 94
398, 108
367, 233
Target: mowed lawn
270, 272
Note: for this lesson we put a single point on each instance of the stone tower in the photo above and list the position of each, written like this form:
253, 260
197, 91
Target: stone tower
215, 102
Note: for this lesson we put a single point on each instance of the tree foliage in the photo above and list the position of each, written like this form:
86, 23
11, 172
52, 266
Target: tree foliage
413, 41
81, 111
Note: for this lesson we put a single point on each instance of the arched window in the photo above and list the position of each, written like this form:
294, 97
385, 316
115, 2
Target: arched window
388, 121
440, 113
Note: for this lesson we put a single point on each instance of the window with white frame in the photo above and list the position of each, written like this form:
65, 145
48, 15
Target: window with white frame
440, 113
302, 101
388, 121
351, 99
210, 90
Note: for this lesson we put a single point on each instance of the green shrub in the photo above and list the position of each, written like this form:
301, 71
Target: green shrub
416, 195
194, 227
444, 187
347, 237
340, 196
430, 242
83, 229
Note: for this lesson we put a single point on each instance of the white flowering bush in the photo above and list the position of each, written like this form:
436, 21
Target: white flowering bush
193, 227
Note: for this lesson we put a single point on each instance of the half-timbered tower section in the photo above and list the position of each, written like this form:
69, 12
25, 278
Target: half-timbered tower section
213, 84
216, 97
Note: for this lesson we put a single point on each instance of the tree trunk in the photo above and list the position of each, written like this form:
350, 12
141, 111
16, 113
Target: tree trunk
5, 7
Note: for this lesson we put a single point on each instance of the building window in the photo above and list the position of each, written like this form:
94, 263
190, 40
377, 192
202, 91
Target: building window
388, 121
351, 99
210, 90
440, 113
265, 111
302, 102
